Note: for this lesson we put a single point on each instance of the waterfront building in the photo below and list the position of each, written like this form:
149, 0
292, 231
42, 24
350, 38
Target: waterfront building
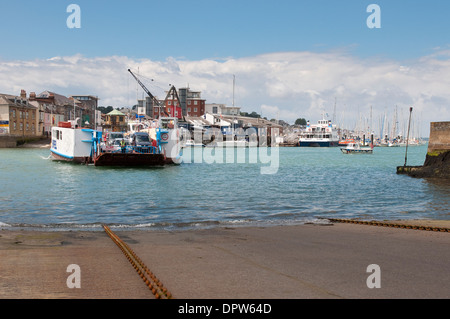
37, 114
192, 102
146, 107
52, 117
77, 106
115, 122
266, 130
17, 116
222, 109
52, 108
185, 102
88, 104
61, 104
41, 108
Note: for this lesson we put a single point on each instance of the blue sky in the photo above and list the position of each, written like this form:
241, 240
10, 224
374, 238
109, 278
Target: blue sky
200, 29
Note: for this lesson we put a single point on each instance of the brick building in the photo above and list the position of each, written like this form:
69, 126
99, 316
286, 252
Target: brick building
182, 103
192, 102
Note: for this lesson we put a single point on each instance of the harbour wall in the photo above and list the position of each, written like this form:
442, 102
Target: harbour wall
437, 160
15, 141
439, 138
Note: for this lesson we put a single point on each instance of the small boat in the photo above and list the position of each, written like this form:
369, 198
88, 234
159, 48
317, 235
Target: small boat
192, 143
233, 144
346, 141
356, 148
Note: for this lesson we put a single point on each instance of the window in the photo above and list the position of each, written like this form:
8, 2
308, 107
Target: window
189, 102
189, 109
14, 113
21, 126
169, 102
26, 115
28, 126
195, 110
15, 126
214, 109
168, 110
195, 102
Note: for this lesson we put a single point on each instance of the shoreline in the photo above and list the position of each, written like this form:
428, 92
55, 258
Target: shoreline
417, 224
41, 143
310, 261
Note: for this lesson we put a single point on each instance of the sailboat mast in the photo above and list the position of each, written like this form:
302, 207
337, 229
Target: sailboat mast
234, 83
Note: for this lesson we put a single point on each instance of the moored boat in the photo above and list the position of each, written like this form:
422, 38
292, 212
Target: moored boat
192, 143
322, 134
347, 141
356, 148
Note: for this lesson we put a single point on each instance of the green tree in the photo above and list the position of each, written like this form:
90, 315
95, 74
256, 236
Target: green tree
300, 121
253, 114
105, 110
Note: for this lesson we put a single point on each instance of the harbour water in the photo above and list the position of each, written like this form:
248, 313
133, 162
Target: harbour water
309, 185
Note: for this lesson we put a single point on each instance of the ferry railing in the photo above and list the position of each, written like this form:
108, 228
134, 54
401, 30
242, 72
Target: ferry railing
136, 149
145, 149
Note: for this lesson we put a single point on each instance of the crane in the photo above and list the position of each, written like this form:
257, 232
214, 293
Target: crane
149, 94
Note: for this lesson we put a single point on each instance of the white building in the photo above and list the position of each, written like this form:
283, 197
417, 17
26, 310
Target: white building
222, 109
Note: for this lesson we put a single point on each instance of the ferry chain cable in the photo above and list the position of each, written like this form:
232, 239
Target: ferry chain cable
395, 225
156, 287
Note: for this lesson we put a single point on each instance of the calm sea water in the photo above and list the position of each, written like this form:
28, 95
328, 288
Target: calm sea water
309, 184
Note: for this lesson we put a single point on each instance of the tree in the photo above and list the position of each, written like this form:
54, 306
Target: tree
300, 121
253, 114
105, 110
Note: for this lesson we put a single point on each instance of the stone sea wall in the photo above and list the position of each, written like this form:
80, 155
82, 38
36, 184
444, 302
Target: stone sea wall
437, 160
16, 141
439, 138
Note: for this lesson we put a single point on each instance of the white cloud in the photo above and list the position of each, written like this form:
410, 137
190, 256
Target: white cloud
284, 85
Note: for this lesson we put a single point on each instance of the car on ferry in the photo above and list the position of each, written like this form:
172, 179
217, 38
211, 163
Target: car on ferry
116, 145
110, 137
140, 139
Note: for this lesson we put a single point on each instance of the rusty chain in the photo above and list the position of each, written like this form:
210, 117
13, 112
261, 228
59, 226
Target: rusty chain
154, 284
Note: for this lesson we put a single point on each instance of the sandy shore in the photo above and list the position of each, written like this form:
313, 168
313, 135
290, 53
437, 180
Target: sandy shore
282, 262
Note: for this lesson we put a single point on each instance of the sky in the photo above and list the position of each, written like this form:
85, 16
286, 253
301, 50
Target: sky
290, 58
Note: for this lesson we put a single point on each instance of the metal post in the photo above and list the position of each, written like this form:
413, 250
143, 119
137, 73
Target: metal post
407, 138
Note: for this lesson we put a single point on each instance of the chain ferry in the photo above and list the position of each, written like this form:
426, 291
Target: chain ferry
72, 143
